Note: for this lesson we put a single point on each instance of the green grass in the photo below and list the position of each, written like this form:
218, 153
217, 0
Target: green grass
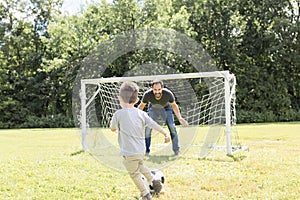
46, 164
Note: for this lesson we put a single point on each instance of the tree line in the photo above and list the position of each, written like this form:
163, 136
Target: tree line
41, 50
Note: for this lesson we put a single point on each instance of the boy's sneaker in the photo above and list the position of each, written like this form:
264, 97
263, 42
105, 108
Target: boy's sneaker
157, 186
146, 197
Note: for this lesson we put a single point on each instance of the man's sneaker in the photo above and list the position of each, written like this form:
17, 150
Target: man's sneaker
177, 153
157, 186
146, 197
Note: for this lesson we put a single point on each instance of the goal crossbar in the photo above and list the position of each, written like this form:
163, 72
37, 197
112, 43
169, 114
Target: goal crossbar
96, 81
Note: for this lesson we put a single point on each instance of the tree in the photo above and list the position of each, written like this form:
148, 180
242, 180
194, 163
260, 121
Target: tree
268, 40
42, 50
22, 25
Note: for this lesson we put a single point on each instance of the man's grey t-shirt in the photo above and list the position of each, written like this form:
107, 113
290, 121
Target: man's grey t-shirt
166, 98
130, 124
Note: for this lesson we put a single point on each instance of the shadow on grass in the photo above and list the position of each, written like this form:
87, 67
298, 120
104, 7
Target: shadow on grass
237, 157
77, 153
160, 159
223, 158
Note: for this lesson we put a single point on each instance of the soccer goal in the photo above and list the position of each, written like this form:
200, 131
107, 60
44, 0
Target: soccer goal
206, 99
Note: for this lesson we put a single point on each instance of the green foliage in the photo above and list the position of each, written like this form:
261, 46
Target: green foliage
12, 113
265, 57
286, 115
24, 90
48, 121
257, 42
41, 51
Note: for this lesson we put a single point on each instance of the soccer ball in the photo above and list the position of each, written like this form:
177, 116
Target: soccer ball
158, 175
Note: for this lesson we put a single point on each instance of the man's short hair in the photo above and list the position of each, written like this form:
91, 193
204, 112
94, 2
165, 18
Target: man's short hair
156, 81
129, 92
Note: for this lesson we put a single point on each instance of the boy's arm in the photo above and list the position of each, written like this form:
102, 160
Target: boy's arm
152, 124
165, 133
113, 124
160, 129
141, 106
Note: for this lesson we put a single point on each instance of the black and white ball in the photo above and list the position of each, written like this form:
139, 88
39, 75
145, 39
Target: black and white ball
158, 175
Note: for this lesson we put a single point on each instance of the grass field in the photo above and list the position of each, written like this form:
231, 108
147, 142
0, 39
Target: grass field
44, 164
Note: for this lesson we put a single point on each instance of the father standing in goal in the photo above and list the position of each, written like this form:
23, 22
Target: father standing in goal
161, 102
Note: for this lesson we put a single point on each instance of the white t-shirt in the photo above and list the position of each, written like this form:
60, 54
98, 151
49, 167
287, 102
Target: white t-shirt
130, 123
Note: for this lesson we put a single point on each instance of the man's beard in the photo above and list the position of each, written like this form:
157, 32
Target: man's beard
157, 95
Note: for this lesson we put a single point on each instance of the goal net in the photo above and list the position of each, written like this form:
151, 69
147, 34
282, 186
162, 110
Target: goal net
206, 100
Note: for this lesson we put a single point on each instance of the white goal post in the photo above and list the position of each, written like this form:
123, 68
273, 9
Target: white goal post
205, 98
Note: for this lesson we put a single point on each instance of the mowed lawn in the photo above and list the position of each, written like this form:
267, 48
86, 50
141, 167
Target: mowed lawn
47, 164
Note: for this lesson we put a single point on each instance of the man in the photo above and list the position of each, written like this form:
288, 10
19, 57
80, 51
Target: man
161, 102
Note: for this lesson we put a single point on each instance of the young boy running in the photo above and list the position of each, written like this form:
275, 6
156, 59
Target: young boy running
129, 122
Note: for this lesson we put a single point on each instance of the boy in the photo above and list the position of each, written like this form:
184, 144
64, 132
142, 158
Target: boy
129, 122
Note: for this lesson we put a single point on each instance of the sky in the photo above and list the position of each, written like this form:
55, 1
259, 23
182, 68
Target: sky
73, 6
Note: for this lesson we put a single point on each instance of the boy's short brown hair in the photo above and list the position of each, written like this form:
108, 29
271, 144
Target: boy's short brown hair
129, 92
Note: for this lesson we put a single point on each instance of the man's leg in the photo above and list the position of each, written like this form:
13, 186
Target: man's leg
148, 130
148, 139
172, 128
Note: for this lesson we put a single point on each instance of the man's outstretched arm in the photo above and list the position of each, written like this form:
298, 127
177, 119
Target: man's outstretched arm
176, 110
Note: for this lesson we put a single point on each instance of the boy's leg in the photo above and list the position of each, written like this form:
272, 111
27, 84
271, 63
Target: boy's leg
156, 184
132, 165
172, 128
146, 172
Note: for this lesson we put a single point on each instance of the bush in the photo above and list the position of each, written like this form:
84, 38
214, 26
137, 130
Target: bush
289, 115
12, 113
249, 117
51, 121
